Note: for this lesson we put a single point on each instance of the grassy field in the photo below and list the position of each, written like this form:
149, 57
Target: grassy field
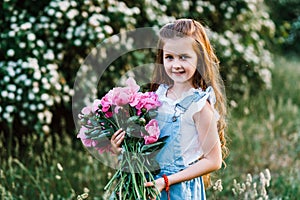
264, 160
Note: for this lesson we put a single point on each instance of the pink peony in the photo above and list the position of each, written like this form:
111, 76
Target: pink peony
148, 100
86, 110
131, 84
153, 131
106, 101
108, 114
82, 136
122, 96
96, 104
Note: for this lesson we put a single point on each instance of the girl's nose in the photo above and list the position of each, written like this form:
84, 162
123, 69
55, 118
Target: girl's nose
176, 64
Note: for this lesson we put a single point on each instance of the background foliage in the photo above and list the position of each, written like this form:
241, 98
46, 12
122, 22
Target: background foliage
44, 43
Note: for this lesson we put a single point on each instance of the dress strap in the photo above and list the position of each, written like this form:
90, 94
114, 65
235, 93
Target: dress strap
183, 105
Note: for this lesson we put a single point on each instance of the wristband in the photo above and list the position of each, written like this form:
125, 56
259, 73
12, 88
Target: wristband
167, 185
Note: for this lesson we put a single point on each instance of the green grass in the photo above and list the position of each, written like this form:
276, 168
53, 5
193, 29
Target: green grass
264, 132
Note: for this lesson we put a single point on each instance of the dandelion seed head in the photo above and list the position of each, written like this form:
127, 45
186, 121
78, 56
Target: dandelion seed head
59, 167
58, 177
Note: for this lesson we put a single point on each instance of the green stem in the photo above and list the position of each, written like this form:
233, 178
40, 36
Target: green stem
108, 185
136, 188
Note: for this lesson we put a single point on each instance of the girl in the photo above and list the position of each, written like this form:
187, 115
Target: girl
187, 81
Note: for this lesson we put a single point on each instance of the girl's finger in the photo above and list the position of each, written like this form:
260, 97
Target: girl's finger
120, 135
116, 134
148, 184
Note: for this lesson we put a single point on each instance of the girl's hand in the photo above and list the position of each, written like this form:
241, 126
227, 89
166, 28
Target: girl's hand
158, 183
116, 140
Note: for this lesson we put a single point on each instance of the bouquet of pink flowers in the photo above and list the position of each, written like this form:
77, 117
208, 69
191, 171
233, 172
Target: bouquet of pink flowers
134, 112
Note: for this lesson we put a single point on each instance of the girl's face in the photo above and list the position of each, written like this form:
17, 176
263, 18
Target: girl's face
180, 59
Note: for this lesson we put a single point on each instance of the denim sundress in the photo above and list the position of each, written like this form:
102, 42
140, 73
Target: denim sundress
181, 148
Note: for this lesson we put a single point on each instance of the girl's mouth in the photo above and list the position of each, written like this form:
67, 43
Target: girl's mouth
178, 72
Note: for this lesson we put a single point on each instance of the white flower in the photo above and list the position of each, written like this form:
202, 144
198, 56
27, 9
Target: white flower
71, 92
22, 114
77, 42
6, 79
45, 97
57, 86
31, 37
19, 91
94, 20
55, 33
51, 12
137, 11
63, 5
69, 35
11, 96
31, 96
26, 26
11, 33
40, 43
47, 86
48, 116
230, 9
35, 90
66, 98
37, 75
7, 117
84, 14
32, 107
53, 25
11, 87
185, 5
199, 9
58, 14
9, 108
46, 130
27, 82
108, 29
4, 93
13, 19
23, 77
40, 106
44, 19
22, 45
72, 13
49, 102
18, 98
49, 55
239, 48
35, 52
40, 116
10, 53
11, 71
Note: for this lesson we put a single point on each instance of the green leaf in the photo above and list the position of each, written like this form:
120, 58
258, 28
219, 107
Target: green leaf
152, 147
132, 119
105, 135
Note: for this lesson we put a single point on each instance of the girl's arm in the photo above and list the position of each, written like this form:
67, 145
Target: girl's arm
206, 125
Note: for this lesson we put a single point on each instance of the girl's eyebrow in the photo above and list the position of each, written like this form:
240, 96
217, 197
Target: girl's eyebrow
180, 54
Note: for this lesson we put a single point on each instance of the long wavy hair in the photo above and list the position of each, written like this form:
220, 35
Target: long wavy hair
207, 73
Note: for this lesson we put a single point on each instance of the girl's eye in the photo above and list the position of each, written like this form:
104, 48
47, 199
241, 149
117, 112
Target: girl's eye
169, 57
183, 57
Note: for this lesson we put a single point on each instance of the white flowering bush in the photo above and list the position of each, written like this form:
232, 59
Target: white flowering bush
43, 45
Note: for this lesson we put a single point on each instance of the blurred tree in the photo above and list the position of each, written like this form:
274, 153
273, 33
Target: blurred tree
44, 43
286, 16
